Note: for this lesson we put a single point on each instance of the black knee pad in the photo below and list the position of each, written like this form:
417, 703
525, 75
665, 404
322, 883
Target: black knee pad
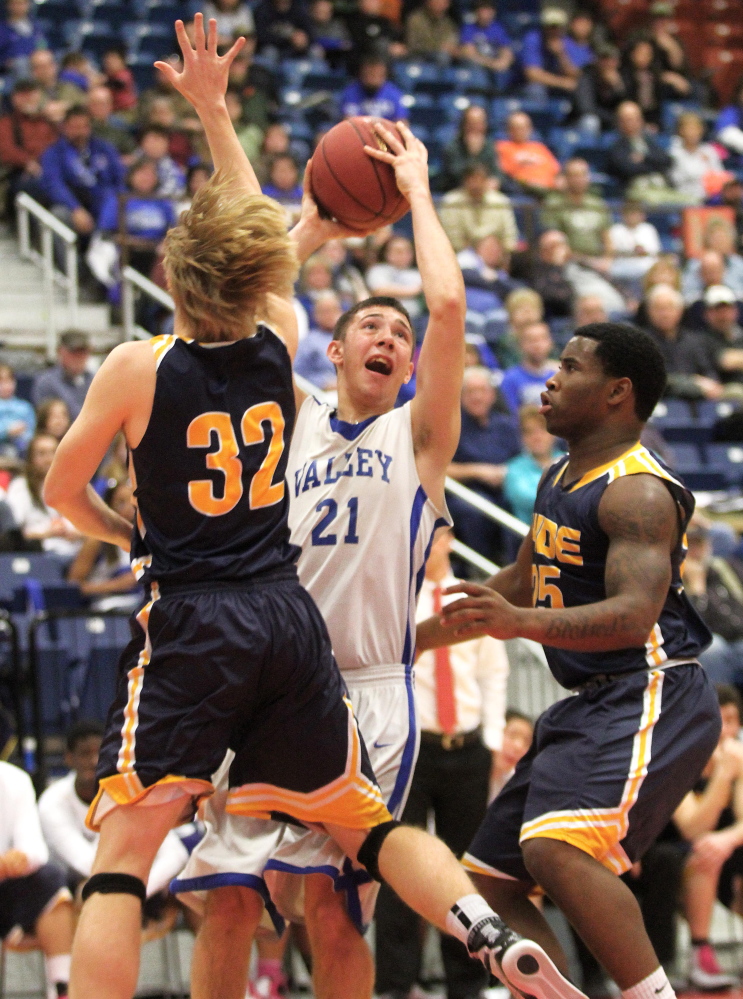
368, 855
115, 884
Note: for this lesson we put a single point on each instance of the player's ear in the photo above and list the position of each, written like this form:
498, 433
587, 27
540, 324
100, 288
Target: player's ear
620, 391
335, 352
409, 374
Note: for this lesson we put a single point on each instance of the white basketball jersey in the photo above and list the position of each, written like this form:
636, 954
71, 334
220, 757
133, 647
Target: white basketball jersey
364, 523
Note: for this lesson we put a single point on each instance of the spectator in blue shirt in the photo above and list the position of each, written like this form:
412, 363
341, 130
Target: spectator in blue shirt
19, 37
486, 43
171, 177
283, 179
523, 383
373, 94
79, 171
17, 418
312, 360
545, 60
487, 441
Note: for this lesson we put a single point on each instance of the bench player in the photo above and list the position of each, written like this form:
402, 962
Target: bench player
230, 651
598, 583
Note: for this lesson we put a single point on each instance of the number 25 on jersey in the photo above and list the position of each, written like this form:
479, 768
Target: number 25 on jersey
263, 490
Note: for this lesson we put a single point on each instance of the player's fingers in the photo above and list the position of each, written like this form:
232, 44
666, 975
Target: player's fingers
474, 589
307, 175
237, 46
183, 41
198, 31
211, 37
168, 72
379, 154
389, 137
407, 136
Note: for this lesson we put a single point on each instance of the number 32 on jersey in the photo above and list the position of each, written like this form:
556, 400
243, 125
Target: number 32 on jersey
263, 490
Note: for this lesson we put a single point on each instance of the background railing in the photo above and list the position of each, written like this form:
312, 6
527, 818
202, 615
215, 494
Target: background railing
49, 226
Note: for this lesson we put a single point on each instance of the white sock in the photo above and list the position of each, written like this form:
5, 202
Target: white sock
655, 986
465, 913
58, 971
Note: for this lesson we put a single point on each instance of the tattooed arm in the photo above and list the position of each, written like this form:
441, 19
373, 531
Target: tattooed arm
638, 515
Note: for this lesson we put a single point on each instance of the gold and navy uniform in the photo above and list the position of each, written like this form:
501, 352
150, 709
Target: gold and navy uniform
609, 766
230, 652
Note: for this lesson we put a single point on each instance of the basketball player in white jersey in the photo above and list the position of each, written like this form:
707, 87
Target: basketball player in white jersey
366, 486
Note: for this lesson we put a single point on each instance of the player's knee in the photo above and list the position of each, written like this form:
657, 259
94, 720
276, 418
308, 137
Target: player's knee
540, 855
234, 905
114, 883
368, 854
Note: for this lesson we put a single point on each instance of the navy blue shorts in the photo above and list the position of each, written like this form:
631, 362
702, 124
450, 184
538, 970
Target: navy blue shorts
606, 771
22, 900
249, 669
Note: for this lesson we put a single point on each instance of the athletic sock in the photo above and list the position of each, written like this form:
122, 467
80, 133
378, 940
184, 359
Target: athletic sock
655, 986
58, 974
463, 915
270, 967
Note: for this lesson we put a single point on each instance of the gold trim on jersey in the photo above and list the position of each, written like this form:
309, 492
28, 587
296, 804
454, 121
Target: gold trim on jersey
163, 343
637, 460
600, 831
351, 800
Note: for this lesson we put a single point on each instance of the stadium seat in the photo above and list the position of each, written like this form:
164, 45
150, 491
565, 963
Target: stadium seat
727, 459
469, 79
422, 110
670, 410
294, 71
96, 685
452, 105
58, 658
725, 67
722, 34
709, 412
686, 457
56, 11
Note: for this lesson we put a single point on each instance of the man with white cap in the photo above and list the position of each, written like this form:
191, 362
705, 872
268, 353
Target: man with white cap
545, 62
723, 333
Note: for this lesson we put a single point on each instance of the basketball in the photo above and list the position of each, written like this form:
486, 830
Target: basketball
350, 186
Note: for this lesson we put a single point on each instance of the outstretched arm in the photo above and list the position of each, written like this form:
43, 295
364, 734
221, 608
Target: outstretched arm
203, 82
639, 517
435, 408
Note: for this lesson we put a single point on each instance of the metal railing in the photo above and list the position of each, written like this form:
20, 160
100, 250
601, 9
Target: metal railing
50, 227
132, 280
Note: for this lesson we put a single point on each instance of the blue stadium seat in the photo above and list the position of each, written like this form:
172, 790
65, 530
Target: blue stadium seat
709, 412
97, 685
114, 12
469, 79
142, 70
146, 38
686, 457
57, 11
426, 115
728, 459
293, 71
518, 22
412, 75
670, 410
670, 112
61, 652
445, 134
706, 480
452, 105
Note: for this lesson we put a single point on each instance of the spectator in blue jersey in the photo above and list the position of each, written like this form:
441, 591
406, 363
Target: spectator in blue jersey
283, 28
523, 383
283, 179
545, 59
17, 418
487, 441
20, 36
312, 360
372, 93
729, 124
485, 42
525, 470
79, 171
171, 177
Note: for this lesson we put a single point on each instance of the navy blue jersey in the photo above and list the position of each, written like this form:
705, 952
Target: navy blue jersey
569, 560
212, 505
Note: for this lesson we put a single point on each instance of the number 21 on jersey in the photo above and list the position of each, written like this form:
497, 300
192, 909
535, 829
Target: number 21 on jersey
263, 490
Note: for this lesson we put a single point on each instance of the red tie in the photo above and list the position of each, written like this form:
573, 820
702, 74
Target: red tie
446, 707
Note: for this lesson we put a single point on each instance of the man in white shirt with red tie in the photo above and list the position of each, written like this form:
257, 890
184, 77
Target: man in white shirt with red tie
461, 699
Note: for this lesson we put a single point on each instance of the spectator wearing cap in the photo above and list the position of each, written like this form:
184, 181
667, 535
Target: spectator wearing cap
723, 333
545, 61
523, 159
79, 171
372, 93
69, 379
475, 210
600, 91
24, 135
485, 42
430, 32
20, 36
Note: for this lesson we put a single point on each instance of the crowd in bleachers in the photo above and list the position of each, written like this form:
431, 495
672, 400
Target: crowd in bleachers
588, 164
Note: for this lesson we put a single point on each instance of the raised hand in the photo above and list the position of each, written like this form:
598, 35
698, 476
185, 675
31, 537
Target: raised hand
408, 158
481, 611
205, 74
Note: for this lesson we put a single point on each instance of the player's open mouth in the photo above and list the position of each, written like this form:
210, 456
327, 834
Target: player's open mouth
381, 365
546, 404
